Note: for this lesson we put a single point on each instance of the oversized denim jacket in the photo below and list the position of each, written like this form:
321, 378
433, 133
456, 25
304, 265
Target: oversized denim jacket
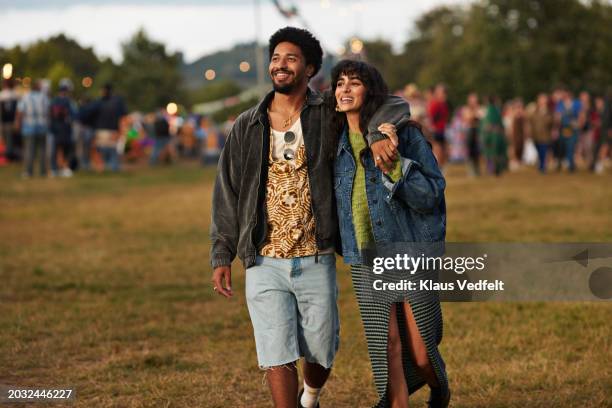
411, 209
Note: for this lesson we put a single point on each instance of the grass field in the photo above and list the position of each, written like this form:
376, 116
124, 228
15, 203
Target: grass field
105, 286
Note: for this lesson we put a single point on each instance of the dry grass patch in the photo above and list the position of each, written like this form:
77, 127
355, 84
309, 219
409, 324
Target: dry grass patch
106, 287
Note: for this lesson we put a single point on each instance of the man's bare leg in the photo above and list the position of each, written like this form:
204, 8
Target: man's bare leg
315, 377
283, 382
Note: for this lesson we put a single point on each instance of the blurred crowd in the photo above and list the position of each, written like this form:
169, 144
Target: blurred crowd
60, 135
558, 130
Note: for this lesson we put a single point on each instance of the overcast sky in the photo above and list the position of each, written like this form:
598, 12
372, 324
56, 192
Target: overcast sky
200, 27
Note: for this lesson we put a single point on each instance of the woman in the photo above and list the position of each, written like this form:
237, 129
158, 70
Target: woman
404, 205
471, 118
517, 131
568, 115
541, 123
495, 148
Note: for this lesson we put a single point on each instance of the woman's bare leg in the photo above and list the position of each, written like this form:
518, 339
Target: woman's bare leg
397, 387
418, 350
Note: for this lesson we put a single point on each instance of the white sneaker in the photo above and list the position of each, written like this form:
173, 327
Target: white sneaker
565, 164
66, 173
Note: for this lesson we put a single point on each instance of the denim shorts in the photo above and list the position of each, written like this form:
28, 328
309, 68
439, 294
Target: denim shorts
292, 304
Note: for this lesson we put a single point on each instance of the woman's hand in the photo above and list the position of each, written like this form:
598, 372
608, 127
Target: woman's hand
385, 151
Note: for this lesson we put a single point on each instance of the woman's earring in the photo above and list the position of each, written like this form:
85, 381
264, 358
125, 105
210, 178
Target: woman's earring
337, 108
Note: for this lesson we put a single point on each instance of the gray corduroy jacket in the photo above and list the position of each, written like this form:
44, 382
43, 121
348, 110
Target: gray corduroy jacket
239, 222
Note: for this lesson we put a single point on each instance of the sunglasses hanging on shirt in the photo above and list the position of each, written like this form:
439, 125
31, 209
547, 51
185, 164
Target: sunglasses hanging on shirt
289, 153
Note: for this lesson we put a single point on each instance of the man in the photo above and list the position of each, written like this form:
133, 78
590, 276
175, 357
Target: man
63, 112
87, 120
273, 207
110, 111
33, 120
8, 112
541, 123
160, 131
568, 112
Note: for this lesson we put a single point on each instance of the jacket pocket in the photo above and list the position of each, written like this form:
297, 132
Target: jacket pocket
401, 215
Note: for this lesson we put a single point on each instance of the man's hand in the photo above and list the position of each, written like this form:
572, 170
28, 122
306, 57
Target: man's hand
385, 151
221, 275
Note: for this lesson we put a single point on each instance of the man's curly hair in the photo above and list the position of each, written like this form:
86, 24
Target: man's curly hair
310, 46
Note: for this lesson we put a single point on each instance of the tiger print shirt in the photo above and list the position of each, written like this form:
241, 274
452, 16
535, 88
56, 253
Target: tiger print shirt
291, 224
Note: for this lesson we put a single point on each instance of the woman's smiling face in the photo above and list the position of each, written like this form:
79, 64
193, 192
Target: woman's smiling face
350, 93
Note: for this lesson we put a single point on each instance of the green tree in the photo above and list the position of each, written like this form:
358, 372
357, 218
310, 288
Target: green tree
149, 77
54, 58
58, 71
505, 47
380, 54
214, 91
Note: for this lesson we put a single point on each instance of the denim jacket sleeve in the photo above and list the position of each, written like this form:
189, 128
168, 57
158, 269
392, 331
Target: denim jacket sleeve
422, 185
392, 111
224, 228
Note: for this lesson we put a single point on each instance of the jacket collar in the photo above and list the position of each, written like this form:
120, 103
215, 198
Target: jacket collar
313, 98
343, 141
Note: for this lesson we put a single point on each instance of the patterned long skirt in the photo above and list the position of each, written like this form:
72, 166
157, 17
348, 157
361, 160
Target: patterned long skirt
375, 318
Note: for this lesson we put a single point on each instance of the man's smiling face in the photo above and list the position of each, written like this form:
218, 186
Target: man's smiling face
288, 69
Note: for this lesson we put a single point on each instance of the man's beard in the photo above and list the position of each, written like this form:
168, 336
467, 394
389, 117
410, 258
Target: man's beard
287, 88
284, 89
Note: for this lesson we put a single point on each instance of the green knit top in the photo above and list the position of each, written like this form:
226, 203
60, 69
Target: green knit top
359, 202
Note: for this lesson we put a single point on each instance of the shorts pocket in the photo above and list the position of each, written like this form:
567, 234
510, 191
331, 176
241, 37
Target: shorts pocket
327, 259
